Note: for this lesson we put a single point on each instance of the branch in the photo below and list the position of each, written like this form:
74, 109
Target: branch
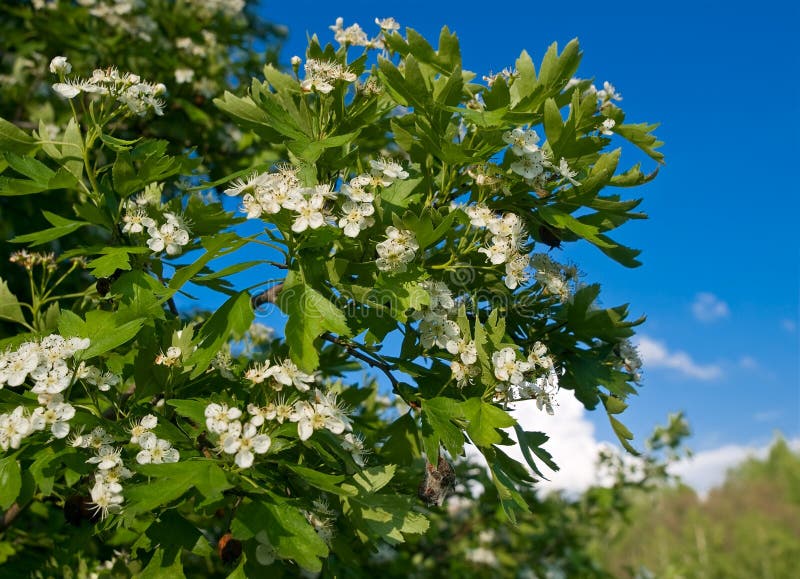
8, 517
268, 296
353, 349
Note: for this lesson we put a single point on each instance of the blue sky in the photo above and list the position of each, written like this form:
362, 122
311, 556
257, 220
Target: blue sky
719, 283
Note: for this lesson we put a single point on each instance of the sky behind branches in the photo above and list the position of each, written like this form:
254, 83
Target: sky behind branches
719, 284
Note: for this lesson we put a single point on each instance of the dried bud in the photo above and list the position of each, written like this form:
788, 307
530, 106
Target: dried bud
229, 549
438, 483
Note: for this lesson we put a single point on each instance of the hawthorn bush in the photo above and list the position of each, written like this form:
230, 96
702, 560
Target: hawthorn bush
407, 229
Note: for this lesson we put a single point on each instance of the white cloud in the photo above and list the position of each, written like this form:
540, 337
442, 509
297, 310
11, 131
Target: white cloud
655, 354
709, 308
575, 449
572, 443
707, 469
748, 363
789, 325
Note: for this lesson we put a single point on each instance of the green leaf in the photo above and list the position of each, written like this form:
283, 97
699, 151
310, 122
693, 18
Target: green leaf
10, 481
14, 139
438, 427
375, 478
289, 532
103, 329
324, 482
9, 305
623, 434
62, 227
386, 517
401, 193
34, 170
194, 410
310, 314
232, 318
533, 441
72, 150
216, 246
484, 420
114, 258
171, 481
157, 568
525, 83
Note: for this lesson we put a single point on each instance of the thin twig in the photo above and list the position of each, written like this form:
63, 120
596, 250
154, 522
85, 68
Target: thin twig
268, 296
352, 349
8, 517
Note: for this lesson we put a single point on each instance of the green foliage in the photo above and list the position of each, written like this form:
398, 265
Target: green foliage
401, 223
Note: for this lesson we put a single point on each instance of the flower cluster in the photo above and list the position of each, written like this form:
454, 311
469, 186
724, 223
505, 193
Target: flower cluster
507, 239
397, 251
279, 375
44, 361
354, 35
127, 89
107, 490
556, 279
18, 424
311, 410
154, 450
532, 378
29, 260
534, 163
170, 236
240, 439
322, 75
269, 193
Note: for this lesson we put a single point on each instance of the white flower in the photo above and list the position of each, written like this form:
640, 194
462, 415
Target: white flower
608, 93
397, 251
441, 298
288, 374
516, 271
218, 416
566, 172
309, 214
156, 451
523, 142
538, 356
245, 442
13, 428
17, 365
57, 414
463, 373
136, 221
184, 75
529, 166
265, 552
387, 24
355, 217
355, 446
353, 35
608, 126
499, 251
107, 457
479, 215
144, 426
59, 65
106, 498
507, 368
67, 90
436, 330
465, 349
168, 237
388, 168
260, 372
311, 417
259, 414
